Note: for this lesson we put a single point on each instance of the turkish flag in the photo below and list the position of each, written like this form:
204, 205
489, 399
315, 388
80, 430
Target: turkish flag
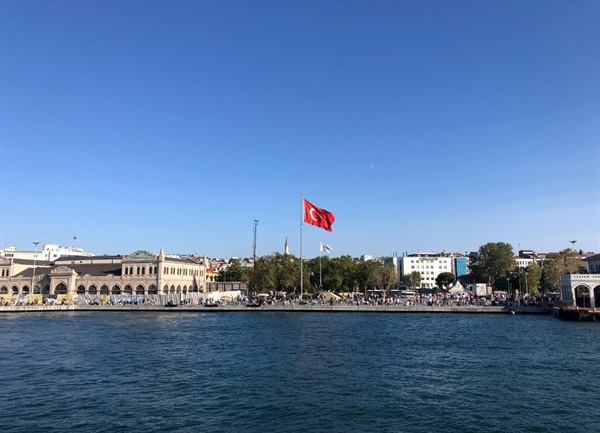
317, 217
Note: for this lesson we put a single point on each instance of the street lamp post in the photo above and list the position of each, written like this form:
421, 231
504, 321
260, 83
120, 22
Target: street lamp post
34, 259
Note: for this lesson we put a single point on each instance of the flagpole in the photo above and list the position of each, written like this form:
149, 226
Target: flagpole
320, 268
301, 267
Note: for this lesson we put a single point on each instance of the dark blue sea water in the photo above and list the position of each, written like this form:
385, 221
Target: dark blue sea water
297, 372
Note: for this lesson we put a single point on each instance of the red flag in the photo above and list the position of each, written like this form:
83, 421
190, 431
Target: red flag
317, 217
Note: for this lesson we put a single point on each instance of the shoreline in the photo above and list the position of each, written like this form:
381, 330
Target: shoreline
465, 309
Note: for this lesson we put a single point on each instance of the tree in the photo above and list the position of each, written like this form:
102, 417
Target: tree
533, 275
287, 272
445, 280
342, 275
233, 271
385, 276
412, 280
366, 274
390, 276
557, 264
263, 277
495, 260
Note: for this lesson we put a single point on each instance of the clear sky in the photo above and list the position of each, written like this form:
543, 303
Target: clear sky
423, 126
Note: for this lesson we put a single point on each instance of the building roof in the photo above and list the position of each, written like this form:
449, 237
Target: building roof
97, 269
39, 271
594, 257
71, 259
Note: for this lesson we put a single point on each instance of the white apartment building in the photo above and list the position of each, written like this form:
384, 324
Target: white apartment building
429, 265
524, 262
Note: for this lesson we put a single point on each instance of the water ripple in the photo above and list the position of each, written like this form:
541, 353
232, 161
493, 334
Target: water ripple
171, 372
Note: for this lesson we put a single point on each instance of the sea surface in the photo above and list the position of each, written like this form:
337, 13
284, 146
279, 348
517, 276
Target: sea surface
297, 372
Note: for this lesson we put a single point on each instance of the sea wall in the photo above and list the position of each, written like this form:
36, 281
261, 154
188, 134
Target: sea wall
317, 308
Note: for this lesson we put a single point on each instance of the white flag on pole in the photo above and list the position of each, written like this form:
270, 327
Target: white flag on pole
326, 248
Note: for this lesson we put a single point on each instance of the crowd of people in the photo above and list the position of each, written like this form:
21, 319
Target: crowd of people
323, 298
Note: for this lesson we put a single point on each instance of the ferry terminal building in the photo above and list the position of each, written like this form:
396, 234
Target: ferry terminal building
140, 273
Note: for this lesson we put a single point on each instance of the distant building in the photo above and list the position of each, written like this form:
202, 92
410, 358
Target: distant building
48, 253
461, 265
429, 265
580, 290
592, 264
140, 273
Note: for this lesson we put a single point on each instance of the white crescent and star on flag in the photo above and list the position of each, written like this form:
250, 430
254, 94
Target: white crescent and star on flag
312, 215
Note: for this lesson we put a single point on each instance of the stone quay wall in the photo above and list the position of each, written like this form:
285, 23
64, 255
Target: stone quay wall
280, 308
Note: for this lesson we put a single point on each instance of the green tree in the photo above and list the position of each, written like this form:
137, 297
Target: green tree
529, 278
412, 280
386, 276
445, 280
263, 276
233, 271
366, 274
556, 264
494, 261
315, 270
341, 275
533, 275
287, 272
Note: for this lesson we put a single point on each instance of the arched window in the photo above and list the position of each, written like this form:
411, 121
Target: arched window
126, 271
128, 290
116, 290
15, 290
582, 296
139, 290
104, 289
93, 290
152, 290
3, 290
596, 293
138, 270
80, 289
143, 271
60, 289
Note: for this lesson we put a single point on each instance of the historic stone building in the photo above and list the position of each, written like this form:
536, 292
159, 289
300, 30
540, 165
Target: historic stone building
581, 290
140, 273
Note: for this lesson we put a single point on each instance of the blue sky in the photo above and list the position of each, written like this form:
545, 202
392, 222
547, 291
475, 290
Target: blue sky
423, 126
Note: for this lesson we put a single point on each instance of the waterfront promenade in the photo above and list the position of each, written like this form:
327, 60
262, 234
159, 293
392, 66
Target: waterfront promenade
291, 308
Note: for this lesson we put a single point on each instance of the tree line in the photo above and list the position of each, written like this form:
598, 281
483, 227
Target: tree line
494, 265
281, 273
